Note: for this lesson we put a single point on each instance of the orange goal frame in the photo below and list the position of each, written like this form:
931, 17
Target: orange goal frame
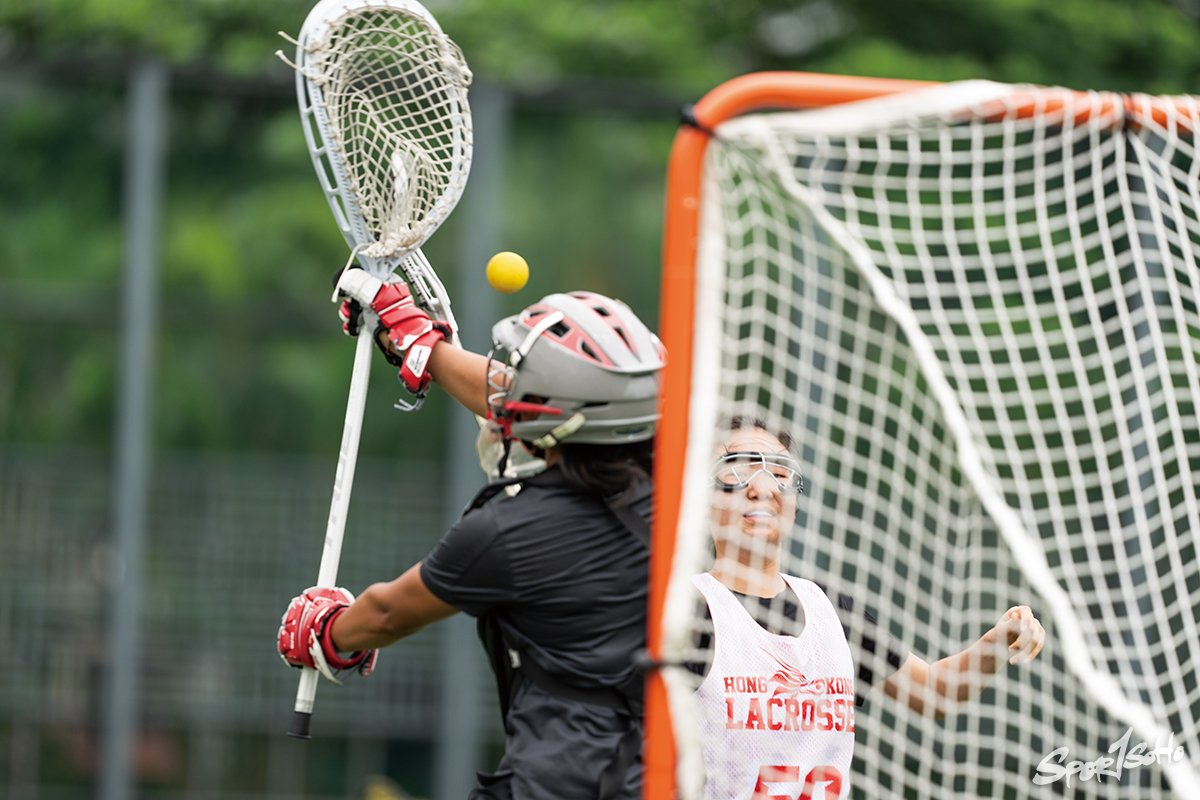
747, 94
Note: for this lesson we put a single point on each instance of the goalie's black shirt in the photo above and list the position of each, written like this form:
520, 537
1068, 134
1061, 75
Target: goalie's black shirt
567, 582
875, 654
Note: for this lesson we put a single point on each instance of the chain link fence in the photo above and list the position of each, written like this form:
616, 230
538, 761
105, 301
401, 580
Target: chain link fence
229, 540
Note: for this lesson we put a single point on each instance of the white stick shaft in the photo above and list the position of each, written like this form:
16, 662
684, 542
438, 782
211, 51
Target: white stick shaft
343, 481
306, 694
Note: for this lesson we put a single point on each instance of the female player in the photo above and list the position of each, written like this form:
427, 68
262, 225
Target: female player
556, 574
779, 685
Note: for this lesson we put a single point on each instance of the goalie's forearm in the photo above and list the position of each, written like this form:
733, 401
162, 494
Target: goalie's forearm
387, 612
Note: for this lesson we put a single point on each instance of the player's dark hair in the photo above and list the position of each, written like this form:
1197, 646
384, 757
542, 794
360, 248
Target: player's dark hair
739, 422
607, 470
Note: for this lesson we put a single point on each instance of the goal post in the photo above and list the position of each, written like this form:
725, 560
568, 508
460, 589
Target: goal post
973, 307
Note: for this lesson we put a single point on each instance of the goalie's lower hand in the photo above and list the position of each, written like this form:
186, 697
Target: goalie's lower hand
405, 332
305, 634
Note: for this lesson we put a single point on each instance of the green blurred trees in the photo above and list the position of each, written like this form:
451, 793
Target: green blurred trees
249, 355
690, 44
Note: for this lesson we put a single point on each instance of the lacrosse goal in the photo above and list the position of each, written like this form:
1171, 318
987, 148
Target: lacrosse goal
974, 308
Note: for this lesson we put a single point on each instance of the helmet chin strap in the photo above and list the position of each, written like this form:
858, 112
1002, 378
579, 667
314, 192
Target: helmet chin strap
505, 452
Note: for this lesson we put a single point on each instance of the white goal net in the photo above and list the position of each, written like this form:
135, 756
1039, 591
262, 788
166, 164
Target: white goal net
973, 308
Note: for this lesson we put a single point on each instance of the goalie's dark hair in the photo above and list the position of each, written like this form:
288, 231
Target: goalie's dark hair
607, 470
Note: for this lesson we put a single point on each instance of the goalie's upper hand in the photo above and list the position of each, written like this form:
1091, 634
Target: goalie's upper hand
305, 633
403, 330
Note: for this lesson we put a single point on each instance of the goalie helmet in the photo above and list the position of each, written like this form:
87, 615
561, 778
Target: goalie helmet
577, 366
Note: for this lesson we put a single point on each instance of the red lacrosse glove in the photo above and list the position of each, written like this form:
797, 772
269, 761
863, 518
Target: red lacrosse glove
409, 332
304, 633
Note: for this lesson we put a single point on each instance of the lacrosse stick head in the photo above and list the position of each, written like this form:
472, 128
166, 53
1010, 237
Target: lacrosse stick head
383, 94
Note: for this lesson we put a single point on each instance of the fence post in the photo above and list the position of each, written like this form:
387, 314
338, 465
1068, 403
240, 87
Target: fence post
146, 134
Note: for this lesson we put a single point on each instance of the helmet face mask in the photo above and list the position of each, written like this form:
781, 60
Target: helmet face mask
580, 366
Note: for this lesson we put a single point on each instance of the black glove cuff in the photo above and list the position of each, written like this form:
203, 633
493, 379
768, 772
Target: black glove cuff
381, 341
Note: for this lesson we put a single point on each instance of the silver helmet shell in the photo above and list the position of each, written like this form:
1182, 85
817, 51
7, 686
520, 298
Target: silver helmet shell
579, 366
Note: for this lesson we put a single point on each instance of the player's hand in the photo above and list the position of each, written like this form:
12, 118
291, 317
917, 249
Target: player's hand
406, 334
350, 312
1022, 634
304, 633
351, 315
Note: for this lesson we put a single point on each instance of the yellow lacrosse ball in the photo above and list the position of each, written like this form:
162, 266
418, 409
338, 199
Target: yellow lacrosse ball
507, 272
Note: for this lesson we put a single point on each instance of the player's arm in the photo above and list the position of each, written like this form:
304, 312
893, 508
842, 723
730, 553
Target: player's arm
411, 341
386, 612
932, 688
462, 375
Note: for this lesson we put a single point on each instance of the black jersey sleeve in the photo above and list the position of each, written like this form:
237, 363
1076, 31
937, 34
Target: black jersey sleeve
876, 654
468, 568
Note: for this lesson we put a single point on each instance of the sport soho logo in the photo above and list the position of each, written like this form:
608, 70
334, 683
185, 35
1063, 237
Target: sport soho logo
1055, 767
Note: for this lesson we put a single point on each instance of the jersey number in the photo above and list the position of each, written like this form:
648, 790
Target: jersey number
827, 776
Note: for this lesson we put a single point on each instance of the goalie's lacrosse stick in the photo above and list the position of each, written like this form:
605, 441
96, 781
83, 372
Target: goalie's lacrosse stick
383, 100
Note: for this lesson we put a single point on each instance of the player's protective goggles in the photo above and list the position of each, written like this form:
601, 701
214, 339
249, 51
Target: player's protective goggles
735, 471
